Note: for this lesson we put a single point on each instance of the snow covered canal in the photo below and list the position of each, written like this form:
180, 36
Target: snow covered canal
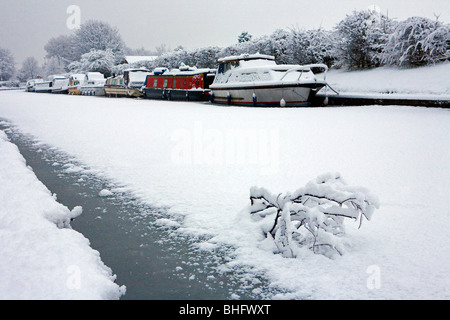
188, 168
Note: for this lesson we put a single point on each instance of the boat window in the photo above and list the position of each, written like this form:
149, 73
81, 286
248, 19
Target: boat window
221, 68
249, 77
265, 76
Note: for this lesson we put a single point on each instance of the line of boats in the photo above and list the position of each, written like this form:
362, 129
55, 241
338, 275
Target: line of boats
245, 80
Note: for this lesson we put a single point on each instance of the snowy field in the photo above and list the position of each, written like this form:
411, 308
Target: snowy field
424, 82
200, 161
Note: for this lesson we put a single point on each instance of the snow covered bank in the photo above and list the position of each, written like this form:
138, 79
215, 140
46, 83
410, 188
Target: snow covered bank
427, 82
201, 161
41, 257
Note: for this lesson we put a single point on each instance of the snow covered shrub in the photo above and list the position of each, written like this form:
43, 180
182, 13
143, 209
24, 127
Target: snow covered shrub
312, 216
360, 39
418, 41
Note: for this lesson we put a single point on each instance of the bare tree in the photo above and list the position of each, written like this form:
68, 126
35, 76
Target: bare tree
30, 69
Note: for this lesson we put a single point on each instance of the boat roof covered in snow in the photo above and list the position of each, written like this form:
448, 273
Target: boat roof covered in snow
247, 57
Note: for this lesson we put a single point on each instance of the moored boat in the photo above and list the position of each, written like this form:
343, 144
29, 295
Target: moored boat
43, 87
94, 84
60, 84
256, 80
129, 84
185, 83
31, 84
75, 83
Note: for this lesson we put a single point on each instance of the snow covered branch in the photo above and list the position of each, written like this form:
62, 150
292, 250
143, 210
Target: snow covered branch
312, 216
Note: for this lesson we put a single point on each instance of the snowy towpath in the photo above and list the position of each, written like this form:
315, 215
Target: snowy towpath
200, 162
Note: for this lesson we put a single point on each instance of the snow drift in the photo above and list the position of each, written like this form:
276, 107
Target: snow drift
41, 256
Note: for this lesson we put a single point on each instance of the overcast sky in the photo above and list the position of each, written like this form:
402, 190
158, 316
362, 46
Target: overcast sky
27, 25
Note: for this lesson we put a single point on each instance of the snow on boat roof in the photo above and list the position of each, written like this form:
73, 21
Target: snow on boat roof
182, 71
134, 59
78, 76
95, 75
136, 70
247, 56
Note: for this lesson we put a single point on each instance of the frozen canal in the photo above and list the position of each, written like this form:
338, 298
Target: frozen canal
175, 223
152, 263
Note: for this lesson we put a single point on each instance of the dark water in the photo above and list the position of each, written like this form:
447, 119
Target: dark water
152, 261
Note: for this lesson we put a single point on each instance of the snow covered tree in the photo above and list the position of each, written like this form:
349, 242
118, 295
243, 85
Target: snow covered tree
312, 216
97, 35
206, 57
312, 46
30, 69
7, 65
53, 66
102, 61
417, 41
61, 47
202, 58
360, 39
244, 37
282, 46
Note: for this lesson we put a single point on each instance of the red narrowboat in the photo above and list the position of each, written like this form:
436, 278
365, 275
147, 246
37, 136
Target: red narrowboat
185, 83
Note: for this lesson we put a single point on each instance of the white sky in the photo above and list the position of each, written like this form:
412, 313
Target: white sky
26, 26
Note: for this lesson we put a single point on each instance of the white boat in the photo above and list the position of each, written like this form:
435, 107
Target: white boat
43, 87
31, 84
60, 84
256, 80
94, 84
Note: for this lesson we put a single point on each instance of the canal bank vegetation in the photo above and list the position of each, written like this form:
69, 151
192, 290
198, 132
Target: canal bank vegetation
361, 40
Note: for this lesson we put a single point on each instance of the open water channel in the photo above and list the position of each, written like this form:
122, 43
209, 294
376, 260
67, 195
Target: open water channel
152, 261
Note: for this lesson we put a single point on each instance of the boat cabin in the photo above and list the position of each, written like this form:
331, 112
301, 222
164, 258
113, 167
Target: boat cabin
93, 84
185, 83
60, 85
75, 83
129, 84
32, 83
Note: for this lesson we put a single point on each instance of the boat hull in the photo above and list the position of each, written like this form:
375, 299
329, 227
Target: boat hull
47, 90
173, 94
125, 92
299, 95
93, 91
60, 91
74, 91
